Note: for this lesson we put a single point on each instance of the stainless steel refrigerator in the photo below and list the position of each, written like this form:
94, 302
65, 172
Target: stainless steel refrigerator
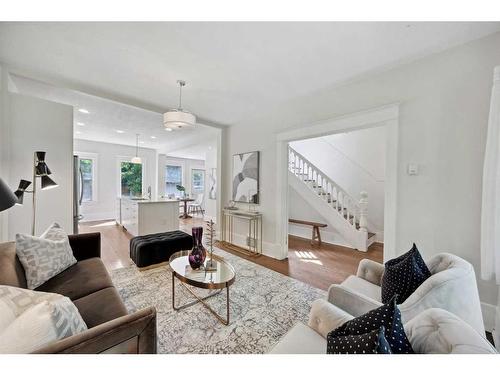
77, 192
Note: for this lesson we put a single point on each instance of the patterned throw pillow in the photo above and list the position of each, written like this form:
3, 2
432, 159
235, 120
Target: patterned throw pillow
45, 256
403, 275
29, 320
373, 342
387, 316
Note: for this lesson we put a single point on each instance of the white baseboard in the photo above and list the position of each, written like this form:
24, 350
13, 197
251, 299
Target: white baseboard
98, 216
269, 249
489, 312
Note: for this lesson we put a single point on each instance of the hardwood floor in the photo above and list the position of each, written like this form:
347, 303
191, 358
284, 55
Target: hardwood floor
319, 266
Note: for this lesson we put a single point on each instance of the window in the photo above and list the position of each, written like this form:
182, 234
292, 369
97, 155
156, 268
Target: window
197, 181
87, 165
173, 177
131, 179
87, 176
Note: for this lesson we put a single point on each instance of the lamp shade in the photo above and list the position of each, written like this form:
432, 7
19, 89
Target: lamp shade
41, 167
7, 197
136, 160
48, 183
19, 193
177, 119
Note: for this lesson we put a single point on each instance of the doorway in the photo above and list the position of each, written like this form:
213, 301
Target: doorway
386, 116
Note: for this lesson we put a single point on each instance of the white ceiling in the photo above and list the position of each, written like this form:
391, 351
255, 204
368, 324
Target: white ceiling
198, 151
233, 70
112, 122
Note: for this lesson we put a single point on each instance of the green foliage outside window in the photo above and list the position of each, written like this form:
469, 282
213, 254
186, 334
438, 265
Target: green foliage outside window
131, 179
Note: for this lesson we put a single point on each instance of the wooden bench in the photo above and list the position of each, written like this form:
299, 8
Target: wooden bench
315, 228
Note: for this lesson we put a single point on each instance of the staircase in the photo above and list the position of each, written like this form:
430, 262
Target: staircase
347, 215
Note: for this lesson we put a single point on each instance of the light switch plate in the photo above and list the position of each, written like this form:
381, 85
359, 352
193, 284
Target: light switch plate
412, 169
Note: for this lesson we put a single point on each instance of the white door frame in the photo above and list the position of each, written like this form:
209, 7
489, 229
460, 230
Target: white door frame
388, 116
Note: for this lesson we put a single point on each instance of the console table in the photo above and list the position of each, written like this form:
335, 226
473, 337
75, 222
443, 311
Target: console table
254, 220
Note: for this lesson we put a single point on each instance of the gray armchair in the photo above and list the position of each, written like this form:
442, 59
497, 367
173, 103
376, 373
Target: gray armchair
433, 331
452, 287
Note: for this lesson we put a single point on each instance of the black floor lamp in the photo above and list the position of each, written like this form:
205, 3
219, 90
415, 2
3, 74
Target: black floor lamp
7, 198
42, 171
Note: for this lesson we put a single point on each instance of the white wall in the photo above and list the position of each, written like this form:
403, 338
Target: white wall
356, 162
210, 164
108, 155
4, 146
186, 164
444, 103
39, 125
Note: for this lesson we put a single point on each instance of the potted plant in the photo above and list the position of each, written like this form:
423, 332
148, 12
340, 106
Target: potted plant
182, 189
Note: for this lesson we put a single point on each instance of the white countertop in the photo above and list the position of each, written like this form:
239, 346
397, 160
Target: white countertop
142, 201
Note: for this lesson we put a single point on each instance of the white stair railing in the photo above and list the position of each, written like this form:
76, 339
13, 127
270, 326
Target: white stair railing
346, 206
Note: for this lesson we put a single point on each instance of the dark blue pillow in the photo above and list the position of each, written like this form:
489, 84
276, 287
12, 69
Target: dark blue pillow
387, 316
373, 342
403, 275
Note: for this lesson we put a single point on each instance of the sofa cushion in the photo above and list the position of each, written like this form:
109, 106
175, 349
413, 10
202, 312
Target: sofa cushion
30, 320
79, 280
437, 331
11, 269
300, 340
387, 316
363, 287
45, 256
373, 342
403, 275
100, 307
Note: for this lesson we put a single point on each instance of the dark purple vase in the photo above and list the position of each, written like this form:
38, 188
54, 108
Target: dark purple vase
198, 253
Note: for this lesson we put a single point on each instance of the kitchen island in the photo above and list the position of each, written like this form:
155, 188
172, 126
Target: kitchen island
141, 216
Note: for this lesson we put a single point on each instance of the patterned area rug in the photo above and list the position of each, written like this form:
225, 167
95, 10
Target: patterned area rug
264, 306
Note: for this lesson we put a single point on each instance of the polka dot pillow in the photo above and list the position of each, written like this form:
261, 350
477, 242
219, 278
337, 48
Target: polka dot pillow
373, 342
387, 316
403, 275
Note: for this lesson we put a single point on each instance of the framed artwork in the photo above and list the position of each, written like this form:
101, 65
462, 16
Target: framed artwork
246, 177
212, 184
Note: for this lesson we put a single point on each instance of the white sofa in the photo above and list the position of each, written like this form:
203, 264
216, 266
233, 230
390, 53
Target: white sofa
451, 287
432, 331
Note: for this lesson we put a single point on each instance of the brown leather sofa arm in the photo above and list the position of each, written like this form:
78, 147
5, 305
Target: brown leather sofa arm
131, 334
85, 245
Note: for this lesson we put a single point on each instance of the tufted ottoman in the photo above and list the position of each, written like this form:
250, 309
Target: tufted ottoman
158, 247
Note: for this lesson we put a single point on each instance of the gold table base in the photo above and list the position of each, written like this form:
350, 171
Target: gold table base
202, 301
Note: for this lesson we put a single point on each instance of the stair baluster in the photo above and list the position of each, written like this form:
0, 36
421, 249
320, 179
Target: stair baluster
352, 210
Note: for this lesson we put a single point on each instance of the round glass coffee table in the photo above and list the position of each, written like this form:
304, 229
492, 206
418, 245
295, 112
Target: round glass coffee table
218, 277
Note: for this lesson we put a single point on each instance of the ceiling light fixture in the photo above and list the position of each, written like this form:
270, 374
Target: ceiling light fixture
179, 118
119, 131
153, 137
169, 129
136, 159
80, 124
83, 110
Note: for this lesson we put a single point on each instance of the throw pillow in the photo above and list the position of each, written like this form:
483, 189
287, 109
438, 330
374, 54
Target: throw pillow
387, 316
32, 319
403, 275
373, 342
44, 257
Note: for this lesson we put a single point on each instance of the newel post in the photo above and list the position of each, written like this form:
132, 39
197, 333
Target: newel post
363, 211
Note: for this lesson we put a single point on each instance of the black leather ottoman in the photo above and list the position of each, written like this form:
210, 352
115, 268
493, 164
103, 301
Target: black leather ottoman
158, 247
